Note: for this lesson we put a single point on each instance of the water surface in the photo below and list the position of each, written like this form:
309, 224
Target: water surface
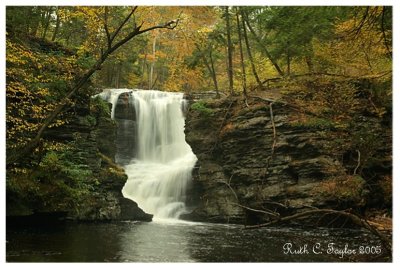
174, 242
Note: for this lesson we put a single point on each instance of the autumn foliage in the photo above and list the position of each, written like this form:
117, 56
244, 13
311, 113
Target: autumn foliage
35, 82
331, 63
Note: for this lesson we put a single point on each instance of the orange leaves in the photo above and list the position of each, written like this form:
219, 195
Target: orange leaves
182, 78
153, 58
173, 48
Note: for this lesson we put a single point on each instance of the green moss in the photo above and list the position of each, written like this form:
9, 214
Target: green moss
314, 122
88, 120
99, 107
111, 171
202, 108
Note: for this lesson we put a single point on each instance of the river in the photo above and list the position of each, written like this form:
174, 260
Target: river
178, 242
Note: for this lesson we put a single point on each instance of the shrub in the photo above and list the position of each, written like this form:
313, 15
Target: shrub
201, 107
99, 107
348, 189
65, 165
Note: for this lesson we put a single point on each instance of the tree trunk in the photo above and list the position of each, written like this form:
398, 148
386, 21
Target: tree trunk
253, 67
29, 14
58, 21
35, 26
153, 62
213, 73
47, 18
264, 49
241, 53
117, 75
209, 66
287, 60
142, 82
229, 48
310, 64
385, 39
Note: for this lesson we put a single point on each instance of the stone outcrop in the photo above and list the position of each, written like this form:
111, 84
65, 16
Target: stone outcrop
106, 201
93, 136
248, 158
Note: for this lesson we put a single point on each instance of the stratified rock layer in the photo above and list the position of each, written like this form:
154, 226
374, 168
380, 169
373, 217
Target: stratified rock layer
243, 161
93, 137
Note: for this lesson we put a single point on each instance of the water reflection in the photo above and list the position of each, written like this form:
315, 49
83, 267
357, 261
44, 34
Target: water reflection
155, 242
162, 241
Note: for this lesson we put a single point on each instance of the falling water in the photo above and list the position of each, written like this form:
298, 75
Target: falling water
159, 174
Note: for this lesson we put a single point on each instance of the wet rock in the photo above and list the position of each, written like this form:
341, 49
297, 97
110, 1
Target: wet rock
130, 210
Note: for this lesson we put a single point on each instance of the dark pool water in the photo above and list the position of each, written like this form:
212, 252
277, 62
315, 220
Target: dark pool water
179, 242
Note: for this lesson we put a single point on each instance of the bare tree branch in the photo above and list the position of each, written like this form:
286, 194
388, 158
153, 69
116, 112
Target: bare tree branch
270, 213
168, 25
123, 23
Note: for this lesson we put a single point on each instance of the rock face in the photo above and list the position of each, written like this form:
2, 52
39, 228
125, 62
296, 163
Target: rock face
106, 201
100, 199
248, 158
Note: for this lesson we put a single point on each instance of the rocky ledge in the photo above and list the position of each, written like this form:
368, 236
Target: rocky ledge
260, 158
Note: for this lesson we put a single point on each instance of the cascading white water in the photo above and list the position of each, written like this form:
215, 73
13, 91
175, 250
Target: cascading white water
159, 175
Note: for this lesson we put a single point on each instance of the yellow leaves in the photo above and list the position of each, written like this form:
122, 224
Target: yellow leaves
18, 55
182, 78
56, 146
173, 48
205, 30
57, 123
34, 80
359, 49
142, 56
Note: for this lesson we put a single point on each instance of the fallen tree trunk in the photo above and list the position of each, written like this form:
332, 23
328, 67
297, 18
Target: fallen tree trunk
356, 219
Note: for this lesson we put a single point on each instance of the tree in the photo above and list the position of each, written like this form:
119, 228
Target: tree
264, 49
241, 52
208, 53
58, 22
229, 49
113, 41
253, 68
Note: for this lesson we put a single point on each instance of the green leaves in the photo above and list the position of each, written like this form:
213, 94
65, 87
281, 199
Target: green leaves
202, 108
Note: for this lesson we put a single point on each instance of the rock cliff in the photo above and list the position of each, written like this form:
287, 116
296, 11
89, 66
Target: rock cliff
260, 157
84, 186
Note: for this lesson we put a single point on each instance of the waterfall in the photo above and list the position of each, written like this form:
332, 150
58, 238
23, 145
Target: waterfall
159, 174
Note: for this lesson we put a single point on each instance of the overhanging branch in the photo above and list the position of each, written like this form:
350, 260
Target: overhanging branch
16, 155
